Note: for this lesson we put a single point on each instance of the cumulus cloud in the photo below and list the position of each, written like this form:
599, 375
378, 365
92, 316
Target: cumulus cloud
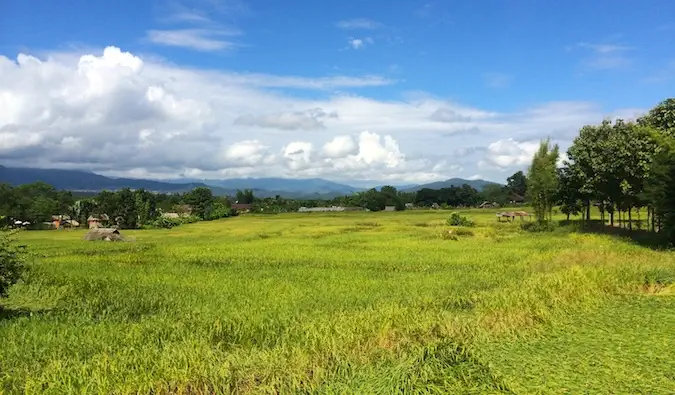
116, 113
340, 147
508, 153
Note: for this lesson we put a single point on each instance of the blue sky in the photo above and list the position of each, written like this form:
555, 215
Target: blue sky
515, 65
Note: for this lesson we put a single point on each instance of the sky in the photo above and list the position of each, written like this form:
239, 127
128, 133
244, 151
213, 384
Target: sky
397, 92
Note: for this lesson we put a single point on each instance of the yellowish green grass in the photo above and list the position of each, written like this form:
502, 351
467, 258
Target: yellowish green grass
340, 303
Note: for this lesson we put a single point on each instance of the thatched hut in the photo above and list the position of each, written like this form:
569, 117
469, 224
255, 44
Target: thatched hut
105, 234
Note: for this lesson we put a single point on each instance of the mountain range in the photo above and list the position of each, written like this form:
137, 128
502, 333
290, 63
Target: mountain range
313, 188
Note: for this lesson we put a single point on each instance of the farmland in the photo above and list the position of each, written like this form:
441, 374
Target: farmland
341, 303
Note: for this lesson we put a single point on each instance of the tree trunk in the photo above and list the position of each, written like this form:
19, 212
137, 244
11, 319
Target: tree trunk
588, 211
630, 218
611, 218
568, 217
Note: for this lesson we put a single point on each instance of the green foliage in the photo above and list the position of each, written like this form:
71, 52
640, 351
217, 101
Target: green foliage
201, 199
517, 183
456, 219
245, 197
12, 258
661, 117
453, 196
542, 180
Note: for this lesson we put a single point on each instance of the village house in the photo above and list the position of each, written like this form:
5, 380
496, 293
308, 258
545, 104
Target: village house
243, 207
97, 221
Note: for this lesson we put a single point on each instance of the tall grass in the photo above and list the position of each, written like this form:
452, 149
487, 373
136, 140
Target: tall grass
355, 303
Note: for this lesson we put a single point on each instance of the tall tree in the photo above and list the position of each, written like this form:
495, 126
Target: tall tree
245, 197
201, 200
517, 183
542, 180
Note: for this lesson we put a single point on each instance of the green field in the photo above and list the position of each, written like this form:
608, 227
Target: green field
341, 303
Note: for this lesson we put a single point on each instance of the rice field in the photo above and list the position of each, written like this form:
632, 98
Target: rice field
325, 303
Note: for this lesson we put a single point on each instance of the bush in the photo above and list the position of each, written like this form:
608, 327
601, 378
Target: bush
11, 261
168, 223
537, 227
464, 232
458, 220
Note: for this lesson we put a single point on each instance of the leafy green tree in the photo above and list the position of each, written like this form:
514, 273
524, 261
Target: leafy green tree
517, 183
201, 199
543, 181
568, 195
661, 117
126, 209
245, 197
372, 200
12, 258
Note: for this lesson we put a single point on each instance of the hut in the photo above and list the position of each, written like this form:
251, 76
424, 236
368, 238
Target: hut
390, 208
242, 207
105, 234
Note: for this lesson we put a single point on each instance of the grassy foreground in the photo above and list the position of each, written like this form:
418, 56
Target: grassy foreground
340, 303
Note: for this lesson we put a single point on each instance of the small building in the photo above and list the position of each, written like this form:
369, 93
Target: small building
243, 207
435, 206
389, 208
96, 221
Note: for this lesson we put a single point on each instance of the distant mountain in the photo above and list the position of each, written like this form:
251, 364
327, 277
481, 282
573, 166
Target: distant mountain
312, 188
309, 186
83, 181
476, 184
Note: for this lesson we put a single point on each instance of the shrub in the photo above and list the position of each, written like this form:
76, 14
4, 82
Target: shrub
464, 232
458, 220
166, 223
537, 226
11, 261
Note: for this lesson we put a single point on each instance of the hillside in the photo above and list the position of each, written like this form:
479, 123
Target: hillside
83, 181
476, 184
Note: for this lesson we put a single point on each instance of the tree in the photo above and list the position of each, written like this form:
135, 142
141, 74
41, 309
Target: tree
661, 117
245, 197
568, 195
542, 180
11, 261
126, 210
201, 199
372, 200
517, 183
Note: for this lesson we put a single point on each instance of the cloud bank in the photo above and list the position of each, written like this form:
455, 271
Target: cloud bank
116, 113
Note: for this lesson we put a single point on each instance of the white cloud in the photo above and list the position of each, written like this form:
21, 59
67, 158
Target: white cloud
116, 113
359, 43
510, 153
197, 39
356, 43
340, 147
300, 120
359, 23
605, 56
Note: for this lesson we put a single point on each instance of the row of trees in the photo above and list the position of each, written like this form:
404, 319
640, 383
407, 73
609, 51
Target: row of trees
619, 166
38, 202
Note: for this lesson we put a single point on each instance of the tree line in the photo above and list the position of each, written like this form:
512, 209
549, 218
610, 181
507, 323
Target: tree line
621, 167
36, 203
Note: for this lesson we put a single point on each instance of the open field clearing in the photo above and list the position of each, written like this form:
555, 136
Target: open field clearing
341, 303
